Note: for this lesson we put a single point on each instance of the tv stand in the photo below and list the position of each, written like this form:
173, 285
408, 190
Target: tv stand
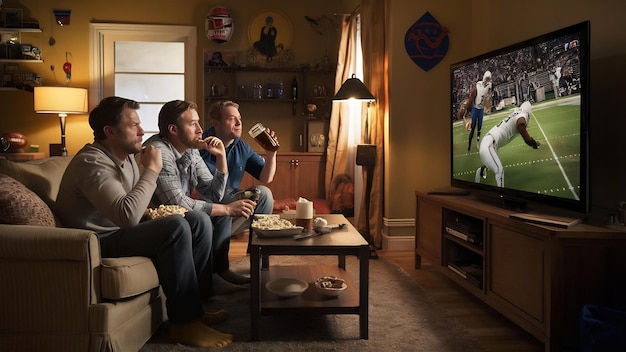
539, 276
505, 201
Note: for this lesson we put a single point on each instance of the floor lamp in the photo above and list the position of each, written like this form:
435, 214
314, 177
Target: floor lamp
61, 101
353, 88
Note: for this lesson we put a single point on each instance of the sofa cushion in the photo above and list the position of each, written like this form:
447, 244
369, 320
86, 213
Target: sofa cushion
127, 277
42, 176
20, 206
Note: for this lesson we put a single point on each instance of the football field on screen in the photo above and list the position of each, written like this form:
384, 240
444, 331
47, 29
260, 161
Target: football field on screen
553, 169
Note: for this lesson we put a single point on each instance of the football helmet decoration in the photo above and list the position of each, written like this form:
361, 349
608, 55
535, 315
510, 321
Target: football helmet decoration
219, 25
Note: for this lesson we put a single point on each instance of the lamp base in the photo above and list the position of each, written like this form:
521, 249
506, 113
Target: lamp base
56, 149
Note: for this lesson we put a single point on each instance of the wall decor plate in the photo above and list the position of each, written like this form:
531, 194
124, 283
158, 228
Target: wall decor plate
219, 25
426, 42
270, 32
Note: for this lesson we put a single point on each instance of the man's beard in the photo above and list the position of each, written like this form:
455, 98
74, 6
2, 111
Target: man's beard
190, 142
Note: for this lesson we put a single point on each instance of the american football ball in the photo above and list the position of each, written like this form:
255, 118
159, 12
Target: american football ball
17, 142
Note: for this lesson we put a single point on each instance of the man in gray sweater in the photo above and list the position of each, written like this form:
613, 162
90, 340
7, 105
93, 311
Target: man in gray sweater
103, 190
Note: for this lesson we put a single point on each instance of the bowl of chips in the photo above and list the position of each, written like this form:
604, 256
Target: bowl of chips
330, 286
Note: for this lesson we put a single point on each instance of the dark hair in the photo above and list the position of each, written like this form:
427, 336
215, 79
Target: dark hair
171, 112
215, 110
108, 113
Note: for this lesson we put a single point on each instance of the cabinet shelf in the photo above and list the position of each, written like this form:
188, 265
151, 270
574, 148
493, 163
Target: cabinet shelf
472, 247
20, 61
22, 30
19, 31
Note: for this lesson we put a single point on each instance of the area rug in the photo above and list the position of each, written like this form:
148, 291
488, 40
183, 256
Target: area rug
402, 317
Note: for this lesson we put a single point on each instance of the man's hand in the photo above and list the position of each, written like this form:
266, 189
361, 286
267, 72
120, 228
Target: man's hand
151, 158
533, 143
213, 145
244, 207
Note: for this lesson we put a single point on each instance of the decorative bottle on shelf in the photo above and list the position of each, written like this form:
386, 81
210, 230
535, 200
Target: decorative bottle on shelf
269, 90
280, 89
294, 88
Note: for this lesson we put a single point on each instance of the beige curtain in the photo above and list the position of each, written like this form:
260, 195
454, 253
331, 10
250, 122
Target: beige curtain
337, 151
373, 16
374, 19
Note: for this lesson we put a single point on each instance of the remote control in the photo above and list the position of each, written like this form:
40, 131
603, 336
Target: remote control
304, 235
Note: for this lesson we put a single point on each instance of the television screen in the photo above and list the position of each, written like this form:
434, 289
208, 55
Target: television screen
520, 120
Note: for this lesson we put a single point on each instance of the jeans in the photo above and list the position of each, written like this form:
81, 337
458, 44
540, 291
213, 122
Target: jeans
181, 249
265, 205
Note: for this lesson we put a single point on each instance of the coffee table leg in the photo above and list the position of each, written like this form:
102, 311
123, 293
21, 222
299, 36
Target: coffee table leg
341, 262
364, 280
255, 292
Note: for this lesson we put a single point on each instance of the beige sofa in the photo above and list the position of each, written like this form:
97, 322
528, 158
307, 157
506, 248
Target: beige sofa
56, 292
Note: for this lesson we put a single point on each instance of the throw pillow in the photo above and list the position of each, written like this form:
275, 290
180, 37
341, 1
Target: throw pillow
21, 206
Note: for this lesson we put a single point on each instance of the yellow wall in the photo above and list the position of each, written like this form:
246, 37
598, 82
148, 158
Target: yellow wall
417, 153
17, 106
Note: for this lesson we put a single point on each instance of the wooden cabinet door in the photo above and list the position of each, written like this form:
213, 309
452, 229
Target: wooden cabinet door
516, 267
309, 176
297, 175
283, 186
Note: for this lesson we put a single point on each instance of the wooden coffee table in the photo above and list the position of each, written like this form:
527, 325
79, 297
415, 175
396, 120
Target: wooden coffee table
342, 242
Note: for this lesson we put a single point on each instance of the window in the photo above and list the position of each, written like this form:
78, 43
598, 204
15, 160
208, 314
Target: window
151, 64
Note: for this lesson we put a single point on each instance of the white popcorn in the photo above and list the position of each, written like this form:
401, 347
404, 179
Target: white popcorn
271, 222
165, 210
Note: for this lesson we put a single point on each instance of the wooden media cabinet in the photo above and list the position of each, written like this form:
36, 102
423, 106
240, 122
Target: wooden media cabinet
538, 276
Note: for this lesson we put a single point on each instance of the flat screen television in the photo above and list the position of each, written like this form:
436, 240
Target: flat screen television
550, 166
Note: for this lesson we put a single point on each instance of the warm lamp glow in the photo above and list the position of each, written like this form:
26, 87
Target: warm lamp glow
61, 101
353, 88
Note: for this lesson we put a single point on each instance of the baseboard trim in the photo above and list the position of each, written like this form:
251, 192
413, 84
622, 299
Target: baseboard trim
398, 234
398, 243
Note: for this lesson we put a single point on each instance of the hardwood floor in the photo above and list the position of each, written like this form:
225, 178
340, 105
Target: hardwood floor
488, 327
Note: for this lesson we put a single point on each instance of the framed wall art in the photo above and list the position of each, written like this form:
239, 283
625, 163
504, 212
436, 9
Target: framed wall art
270, 33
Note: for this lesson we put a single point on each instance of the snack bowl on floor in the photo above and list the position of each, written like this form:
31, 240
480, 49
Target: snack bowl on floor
330, 286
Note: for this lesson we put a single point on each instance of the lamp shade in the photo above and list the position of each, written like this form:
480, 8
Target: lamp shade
60, 100
353, 88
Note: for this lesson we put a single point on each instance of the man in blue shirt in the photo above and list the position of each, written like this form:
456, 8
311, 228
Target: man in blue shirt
240, 157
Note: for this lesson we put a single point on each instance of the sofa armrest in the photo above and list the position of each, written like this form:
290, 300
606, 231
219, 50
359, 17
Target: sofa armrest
48, 278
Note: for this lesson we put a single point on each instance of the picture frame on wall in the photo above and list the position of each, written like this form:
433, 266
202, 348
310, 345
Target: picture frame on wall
12, 18
220, 58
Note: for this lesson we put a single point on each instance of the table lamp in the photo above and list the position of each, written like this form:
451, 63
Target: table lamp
353, 88
61, 101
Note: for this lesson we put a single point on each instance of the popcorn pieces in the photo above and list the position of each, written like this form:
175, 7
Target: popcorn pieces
271, 222
165, 210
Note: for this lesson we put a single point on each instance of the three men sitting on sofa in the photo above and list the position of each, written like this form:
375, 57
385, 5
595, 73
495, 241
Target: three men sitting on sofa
103, 190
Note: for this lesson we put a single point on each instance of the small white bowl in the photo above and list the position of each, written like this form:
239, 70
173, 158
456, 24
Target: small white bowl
330, 286
287, 287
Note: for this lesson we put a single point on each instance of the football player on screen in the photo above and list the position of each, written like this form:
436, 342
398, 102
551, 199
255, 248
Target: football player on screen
480, 95
498, 136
